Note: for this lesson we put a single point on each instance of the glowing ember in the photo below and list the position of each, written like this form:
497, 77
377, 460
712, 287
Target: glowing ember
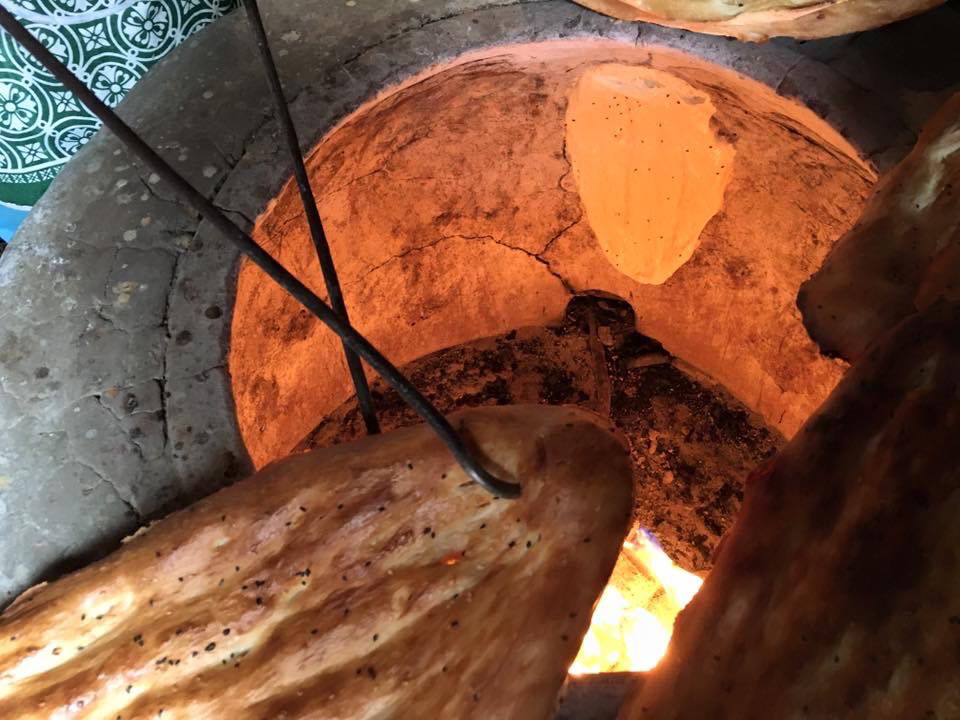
633, 620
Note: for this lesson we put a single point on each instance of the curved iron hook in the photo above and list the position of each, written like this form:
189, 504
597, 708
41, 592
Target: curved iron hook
320, 244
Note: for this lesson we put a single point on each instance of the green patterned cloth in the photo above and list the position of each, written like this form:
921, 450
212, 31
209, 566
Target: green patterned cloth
110, 44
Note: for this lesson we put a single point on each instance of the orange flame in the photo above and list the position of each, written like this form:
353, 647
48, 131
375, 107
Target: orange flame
633, 620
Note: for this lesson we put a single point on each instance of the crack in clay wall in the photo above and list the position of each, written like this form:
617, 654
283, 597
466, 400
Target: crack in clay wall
454, 213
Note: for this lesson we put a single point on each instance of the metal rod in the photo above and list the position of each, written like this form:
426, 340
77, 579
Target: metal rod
262, 259
364, 398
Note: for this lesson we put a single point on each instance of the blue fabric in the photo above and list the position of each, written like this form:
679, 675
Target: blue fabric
10, 219
109, 45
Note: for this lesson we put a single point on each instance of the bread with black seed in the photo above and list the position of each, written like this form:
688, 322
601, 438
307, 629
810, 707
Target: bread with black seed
837, 592
369, 580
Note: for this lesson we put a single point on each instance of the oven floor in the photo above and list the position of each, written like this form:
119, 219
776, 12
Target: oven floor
692, 443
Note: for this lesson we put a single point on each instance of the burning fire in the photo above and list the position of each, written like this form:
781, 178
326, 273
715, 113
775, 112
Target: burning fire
633, 621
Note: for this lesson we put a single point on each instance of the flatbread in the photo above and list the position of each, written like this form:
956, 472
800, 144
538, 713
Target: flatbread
369, 580
903, 254
837, 592
758, 20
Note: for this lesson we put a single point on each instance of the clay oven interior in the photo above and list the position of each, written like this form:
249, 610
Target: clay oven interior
482, 196
577, 222
484, 209
574, 221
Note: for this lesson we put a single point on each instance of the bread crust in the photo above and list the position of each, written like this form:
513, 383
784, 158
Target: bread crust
837, 592
369, 580
904, 253
758, 20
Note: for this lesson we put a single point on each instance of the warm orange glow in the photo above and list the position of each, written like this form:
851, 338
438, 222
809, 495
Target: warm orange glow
633, 620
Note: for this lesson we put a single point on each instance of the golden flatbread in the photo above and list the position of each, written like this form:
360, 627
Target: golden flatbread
369, 580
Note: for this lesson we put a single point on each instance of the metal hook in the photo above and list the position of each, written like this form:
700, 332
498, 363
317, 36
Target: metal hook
362, 388
262, 259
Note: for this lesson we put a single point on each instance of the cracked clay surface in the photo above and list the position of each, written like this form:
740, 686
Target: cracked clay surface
454, 212
116, 301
